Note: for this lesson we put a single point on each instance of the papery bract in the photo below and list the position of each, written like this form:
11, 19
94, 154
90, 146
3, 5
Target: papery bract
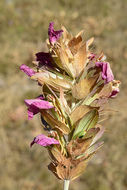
44, 140
27, 70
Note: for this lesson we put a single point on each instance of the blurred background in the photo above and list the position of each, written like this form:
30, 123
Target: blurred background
23, 31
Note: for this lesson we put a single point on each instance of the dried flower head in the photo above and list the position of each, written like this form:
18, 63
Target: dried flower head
76, 87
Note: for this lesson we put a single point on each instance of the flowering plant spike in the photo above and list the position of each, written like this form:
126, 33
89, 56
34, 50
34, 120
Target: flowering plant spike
76, 87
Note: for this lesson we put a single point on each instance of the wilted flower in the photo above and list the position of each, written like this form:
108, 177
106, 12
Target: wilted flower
76, 84
115, 88
44, 59
53, 35
114, 93
107, 74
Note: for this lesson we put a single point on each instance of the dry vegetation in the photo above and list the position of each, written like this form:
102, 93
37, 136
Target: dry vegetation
23, 32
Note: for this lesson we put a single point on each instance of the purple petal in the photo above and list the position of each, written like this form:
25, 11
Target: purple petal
31, 113
107, 74
35, 105
42, 104
28, 102
44, 59
30, 72
44, 140
53, 35
114, 93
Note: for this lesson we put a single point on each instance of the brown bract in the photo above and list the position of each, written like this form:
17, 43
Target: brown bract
83, 87
71, 53
69, 167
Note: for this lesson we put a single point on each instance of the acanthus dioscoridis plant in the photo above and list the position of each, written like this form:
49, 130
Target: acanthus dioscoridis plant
76, 87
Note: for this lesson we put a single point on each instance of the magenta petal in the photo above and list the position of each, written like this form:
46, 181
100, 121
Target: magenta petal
107, 74
30, 113
42, 104
30, 72
44, 140
114, 93
35, 105
53, 35
28, 102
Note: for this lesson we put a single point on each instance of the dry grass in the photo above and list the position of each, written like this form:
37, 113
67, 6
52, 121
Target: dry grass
23, 29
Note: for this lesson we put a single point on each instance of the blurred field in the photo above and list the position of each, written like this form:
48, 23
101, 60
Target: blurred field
23, 30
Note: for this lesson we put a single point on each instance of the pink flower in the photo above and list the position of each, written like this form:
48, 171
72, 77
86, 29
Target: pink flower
106, 74
30, 72
35, 105
44, 140
53, 35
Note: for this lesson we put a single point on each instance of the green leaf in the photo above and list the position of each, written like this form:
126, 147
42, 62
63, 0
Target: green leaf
88, 121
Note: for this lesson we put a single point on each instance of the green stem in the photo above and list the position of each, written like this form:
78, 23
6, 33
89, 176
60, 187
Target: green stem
66, 184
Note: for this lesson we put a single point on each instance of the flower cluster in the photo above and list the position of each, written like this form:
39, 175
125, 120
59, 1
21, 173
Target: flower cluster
76, 87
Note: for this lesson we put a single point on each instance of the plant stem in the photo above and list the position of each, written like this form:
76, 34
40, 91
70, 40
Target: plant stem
66, 184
